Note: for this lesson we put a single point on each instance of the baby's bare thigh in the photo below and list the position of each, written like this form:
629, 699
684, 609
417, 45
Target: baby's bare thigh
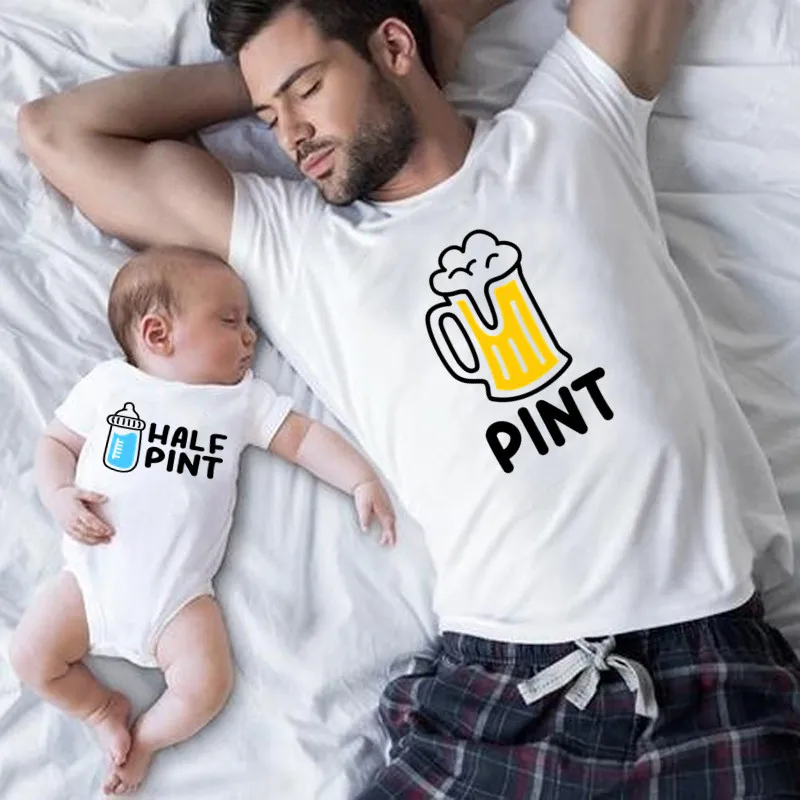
54, 626
194, 647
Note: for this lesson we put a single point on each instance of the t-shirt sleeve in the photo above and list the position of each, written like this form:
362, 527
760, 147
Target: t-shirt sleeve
268, 411
271, 218
80, 410
573, 77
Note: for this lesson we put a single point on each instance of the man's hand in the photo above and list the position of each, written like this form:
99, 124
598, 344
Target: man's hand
450, 22
72, 508
372, 501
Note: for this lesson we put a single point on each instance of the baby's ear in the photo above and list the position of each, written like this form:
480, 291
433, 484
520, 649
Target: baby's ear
156, 334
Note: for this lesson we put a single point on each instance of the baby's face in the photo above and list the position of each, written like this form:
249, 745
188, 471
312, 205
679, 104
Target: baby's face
212, 338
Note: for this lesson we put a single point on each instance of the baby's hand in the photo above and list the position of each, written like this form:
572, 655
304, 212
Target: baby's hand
371, 500
71, 507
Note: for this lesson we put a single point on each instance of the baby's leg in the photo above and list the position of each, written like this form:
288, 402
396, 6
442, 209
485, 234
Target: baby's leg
46, 652
195, 655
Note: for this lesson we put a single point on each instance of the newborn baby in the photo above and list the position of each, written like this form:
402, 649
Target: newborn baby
139, 467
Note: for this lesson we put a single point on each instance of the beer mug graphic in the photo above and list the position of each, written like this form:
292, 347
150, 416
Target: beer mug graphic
513, 351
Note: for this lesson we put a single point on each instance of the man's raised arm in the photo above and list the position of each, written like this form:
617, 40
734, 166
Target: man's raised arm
637, 38
451, 21
112, 147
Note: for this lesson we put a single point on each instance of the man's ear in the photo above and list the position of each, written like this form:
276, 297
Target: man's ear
394, 49
156, 334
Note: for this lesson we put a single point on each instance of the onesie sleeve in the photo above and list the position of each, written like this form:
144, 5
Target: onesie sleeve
267, 412
79, 411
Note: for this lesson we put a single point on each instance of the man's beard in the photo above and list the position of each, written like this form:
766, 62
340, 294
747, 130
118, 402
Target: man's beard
380, 147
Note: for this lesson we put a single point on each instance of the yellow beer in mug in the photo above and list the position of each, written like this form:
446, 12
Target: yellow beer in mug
515, 357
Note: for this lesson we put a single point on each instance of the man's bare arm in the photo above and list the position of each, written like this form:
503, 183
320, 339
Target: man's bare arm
638, 38
112, 147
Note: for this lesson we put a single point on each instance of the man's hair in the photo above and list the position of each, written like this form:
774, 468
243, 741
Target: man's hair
150, 283
233, 23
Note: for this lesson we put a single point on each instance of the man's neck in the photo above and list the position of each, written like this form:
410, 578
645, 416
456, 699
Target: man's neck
444, 141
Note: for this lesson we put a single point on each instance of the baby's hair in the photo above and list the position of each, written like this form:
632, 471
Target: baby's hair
149, 283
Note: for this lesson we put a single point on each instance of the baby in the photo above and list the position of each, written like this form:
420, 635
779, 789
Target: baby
139, 467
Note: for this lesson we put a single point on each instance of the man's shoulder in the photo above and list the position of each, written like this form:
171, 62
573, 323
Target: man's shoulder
270, 219
268, 188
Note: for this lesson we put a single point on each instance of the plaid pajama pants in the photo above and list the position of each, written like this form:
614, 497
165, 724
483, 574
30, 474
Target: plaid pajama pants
727, 725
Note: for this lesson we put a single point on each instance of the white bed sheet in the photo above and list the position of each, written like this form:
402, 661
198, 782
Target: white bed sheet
319, 616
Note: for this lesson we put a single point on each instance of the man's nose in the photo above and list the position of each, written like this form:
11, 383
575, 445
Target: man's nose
293, 132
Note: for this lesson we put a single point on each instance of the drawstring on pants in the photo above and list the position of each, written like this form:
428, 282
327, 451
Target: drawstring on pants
583, 666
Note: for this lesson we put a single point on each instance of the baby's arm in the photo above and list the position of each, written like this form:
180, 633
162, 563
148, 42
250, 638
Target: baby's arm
56, 458
325, 454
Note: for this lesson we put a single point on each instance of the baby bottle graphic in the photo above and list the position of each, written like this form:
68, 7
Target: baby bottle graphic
124, 439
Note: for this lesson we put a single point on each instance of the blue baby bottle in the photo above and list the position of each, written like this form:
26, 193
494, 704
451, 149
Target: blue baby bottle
124, 439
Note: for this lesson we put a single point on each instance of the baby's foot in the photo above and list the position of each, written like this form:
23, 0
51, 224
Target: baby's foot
128, 778
111, 725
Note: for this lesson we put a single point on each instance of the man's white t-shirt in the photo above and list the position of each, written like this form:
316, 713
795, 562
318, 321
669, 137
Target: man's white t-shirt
518, 353
166, 454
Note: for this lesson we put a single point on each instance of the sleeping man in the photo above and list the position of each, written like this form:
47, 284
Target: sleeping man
492, 309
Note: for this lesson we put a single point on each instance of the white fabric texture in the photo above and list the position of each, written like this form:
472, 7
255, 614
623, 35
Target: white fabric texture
166, 455
517, 351
319, 616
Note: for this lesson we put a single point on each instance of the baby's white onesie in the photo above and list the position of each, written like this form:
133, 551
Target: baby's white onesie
166, 454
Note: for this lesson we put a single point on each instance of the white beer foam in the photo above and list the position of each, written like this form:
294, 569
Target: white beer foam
470, 269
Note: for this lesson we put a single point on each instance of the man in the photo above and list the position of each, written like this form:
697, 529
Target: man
493, 311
